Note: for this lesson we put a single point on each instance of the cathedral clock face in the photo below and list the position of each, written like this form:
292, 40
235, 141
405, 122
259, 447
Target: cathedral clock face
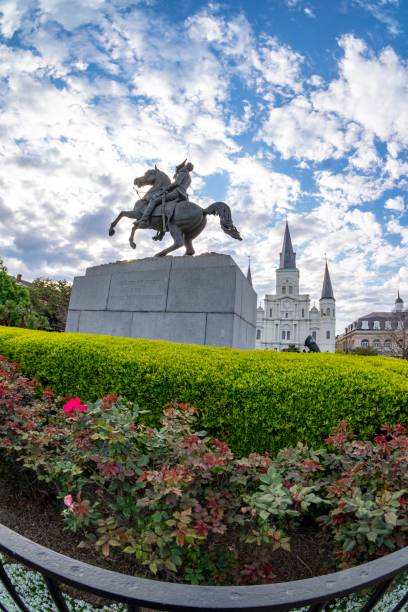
286, 303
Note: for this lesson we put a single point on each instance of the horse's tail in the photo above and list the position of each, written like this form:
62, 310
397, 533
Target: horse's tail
224, 212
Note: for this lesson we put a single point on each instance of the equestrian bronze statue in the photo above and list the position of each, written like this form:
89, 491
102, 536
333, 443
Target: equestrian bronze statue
166, 207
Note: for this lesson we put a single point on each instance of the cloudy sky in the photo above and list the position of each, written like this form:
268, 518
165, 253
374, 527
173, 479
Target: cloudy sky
292, 108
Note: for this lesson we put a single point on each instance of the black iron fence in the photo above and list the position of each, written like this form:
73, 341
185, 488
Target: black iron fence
319, 593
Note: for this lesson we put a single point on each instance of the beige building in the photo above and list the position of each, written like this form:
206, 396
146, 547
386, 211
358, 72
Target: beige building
385, 332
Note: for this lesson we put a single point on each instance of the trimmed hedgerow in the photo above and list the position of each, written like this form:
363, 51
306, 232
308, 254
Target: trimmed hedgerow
256, 400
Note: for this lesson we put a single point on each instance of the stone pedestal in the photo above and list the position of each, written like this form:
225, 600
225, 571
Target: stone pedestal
200, 300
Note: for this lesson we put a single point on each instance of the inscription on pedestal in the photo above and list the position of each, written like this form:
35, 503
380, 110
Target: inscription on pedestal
145, 293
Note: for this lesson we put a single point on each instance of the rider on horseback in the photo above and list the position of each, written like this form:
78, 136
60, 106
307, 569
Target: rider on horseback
176, 191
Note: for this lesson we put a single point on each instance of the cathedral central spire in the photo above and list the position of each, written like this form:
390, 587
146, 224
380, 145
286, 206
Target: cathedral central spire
288, 256
327, 289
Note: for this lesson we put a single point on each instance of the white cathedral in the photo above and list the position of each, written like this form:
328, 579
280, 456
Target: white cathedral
287, 318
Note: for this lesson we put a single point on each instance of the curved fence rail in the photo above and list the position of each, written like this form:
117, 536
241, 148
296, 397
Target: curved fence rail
317, 594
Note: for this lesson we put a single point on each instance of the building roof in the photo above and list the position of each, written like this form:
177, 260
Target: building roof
288, 256
327, 289
381, 317
20, 281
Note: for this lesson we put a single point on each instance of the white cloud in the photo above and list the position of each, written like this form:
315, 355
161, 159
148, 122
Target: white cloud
348, 188
367, 101
297, 130
395, 227
397, 169
267, 63
232, 36
396, 203
277, 67
11, 15
371, 91
258, 190
71, 14
365, 157
380, 9
309, 12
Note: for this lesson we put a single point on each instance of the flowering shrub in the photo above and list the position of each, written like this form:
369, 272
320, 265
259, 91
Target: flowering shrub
369, 495
179, 501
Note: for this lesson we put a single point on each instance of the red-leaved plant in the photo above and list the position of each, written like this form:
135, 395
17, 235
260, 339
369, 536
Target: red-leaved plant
180, 502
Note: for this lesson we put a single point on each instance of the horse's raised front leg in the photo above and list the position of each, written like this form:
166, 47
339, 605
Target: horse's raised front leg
131, 214
177, 235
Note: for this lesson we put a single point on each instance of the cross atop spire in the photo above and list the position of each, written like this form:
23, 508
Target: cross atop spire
288, 256
327, 289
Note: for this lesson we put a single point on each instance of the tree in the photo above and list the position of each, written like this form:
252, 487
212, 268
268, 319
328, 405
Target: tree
15, 303
400, 335
50, 299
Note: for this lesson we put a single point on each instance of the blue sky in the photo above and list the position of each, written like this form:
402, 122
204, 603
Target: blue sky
286, 108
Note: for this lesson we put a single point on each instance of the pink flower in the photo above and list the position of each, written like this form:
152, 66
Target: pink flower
82, 408
74, 404
68, 500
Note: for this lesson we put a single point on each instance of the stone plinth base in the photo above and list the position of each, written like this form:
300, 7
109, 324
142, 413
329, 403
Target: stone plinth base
199, 300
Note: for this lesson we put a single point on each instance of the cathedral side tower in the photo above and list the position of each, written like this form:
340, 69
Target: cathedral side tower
327, 332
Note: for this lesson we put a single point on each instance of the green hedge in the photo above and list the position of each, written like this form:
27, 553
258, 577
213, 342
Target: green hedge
255, 400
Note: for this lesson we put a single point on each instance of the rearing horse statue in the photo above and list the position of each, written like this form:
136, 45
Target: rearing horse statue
184, 220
